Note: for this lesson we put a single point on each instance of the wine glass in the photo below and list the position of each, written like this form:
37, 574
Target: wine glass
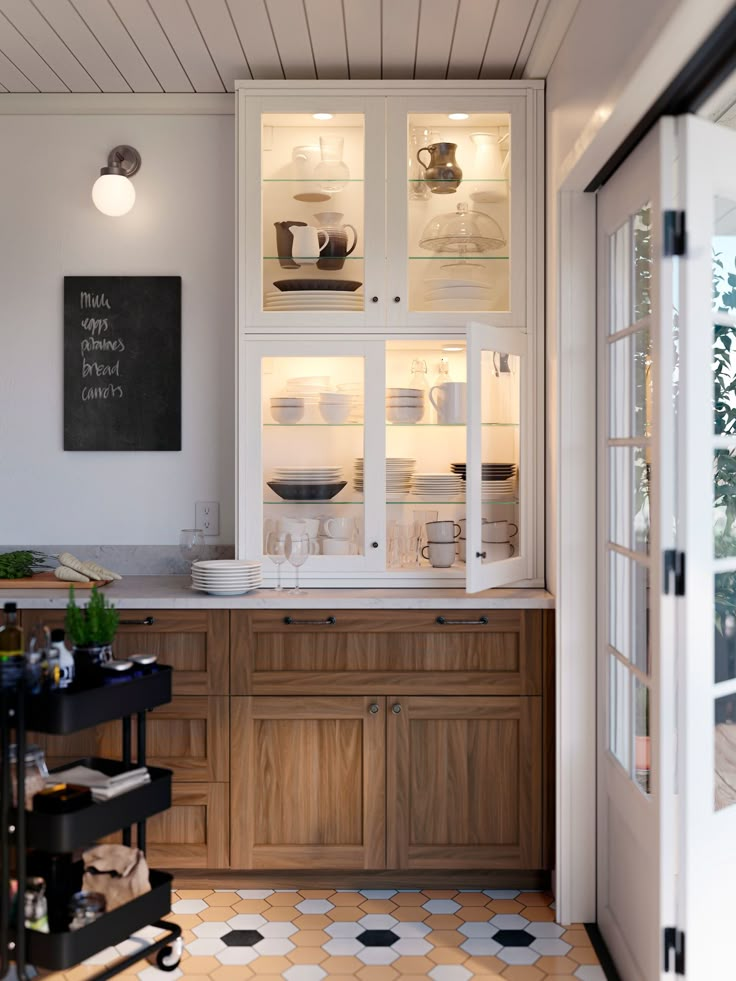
276, 551
191, 544
297, 552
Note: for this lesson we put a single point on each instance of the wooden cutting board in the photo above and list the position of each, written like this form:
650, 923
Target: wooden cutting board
47, 580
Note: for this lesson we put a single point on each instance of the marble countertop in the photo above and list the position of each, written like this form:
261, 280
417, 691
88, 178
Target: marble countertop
174, 592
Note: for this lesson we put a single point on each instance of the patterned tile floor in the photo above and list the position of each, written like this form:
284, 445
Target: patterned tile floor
370, 935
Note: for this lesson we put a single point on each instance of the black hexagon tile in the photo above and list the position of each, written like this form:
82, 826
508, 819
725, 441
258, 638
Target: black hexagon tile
377, 938
513, 938
242, 938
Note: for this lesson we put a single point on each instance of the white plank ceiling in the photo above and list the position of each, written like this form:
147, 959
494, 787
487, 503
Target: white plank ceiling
204, 45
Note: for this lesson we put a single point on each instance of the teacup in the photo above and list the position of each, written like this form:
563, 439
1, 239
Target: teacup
443, 531
303, 526
440, 554
337, 546
340, 528
496, 551
498, 531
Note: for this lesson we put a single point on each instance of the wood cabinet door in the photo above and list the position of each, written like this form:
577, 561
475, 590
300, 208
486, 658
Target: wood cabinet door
308, 783
196, 643
464, 782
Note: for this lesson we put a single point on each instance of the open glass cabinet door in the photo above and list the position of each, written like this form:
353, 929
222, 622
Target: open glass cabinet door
498, 466
706, 490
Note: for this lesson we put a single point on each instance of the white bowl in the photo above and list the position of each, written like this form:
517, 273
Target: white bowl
287, 413
334, 412
411, 393
404, 403
404, 414
286, 400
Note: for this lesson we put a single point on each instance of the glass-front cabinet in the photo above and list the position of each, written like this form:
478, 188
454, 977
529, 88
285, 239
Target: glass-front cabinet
390, 380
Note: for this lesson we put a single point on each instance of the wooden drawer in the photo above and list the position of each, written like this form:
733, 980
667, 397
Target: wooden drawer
194, 642
496, 652
190, 735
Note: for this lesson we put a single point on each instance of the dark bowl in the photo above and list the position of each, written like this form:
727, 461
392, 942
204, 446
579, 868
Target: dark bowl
345, 285
306, 492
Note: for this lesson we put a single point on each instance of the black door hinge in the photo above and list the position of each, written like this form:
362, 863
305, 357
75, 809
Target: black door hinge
674, 943
674, 572
674, 233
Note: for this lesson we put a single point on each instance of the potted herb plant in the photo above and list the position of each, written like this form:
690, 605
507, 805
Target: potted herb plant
91, 629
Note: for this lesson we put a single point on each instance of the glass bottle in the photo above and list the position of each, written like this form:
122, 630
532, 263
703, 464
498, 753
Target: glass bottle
11, 636
64, 656
419, 375
442, 377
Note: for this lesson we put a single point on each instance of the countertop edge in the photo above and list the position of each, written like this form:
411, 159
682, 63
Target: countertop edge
174, 592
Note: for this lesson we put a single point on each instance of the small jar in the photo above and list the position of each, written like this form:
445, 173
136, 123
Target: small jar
143, 664
36, 773
85, 908
115, 672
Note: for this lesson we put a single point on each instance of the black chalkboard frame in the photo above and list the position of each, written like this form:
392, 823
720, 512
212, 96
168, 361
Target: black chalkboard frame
122, 363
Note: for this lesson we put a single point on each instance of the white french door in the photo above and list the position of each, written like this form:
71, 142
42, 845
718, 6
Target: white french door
635, 423
707, 534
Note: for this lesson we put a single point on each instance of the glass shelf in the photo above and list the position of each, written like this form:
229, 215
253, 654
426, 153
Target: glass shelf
311, 180
406, 500
390, 425
464, 180
461, 257
344, 258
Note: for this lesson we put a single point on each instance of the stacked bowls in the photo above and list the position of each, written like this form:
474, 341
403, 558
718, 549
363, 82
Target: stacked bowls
499, 480
337, 407
226, 577
404, 405
287, 409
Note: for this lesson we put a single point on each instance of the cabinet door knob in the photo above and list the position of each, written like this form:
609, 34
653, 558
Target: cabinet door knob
480, 555
373, 708
374, 544
145, 622
374, 299
396, 709
397, 299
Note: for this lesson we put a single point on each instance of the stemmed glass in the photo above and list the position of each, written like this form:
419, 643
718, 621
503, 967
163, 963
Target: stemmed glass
276, 551
297, 552
191, 544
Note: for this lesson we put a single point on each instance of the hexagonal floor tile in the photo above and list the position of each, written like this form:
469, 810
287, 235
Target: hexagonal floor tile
535, 898
342, 946
411, 947
307, 955
277, 929
590, 972
377, 938
518, 955
153, 973
442, 906
188, 906
478, 929
273, 946
514, 938
304, 972
508, 921
547, 930
377, 893
377, 955
449, 972
211, 929
551, 947
375, 921
350, 929
557, 965
411, 928
236, 955
205, 946
242, 938
501, 893
481, 947
246, 921
254, 893
314, 906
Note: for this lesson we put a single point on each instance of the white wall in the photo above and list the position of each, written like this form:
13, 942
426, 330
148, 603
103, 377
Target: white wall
182, 224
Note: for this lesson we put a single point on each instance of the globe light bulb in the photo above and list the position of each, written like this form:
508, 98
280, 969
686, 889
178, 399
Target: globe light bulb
113, 194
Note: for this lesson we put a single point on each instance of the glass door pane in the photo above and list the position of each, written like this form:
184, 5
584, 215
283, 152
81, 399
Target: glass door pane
458, 200
313, 212
498, 469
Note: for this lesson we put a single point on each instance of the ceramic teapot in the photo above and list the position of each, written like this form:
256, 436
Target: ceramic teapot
306, 248
442, 174
336, 251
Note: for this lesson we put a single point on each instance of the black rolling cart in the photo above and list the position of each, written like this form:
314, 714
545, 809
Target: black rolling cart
61, 713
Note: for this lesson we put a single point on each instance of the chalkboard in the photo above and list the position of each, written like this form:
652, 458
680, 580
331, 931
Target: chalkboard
122, 362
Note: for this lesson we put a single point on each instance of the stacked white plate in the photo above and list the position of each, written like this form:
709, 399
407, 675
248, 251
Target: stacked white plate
437, 486
498, 490
313, 300
226, 577
458, 294
399, 472
307, 475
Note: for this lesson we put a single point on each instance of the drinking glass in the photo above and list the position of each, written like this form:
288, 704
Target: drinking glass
297, 552
276, 551
191, 544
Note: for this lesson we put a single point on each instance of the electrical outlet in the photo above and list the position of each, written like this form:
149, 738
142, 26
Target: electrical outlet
207, 517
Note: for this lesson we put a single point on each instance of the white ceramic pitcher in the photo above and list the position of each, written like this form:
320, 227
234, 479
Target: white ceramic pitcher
490, 168
307, 248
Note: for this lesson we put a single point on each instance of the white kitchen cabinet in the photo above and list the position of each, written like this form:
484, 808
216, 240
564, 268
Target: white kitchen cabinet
357, 264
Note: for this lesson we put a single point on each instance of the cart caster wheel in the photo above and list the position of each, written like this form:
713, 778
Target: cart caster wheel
167, 959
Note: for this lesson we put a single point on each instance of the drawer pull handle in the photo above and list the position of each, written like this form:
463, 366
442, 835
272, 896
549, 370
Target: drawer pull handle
373, 708
327, 622
396, 709
480, 622
145, 622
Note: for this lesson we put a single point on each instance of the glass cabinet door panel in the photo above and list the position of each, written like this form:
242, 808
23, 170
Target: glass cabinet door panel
426, 412
497, 467
458, 199
313, 212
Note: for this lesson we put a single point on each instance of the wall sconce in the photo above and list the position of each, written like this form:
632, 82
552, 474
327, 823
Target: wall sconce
113, 192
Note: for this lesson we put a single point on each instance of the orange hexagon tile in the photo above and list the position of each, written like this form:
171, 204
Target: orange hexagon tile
192, 894
250, 906
342, 965
439, 893
525, 972
486, 967
316, 893
280, 914
409, 899
378, 906
231, 972
311, 921
539, 914
346, 914
346, 899
412, 965
443, 921
307, 955
223, 899
583, 955
535, 898
410, 914
474, 914
505, 906
556, 965
216, 914
447, 955
309, 938
374, 972
576, 937
284, 899
269, 965
199, 965
471, 898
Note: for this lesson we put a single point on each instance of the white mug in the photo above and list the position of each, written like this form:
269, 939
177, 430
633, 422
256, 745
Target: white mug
463, 522
440, 554
452, 400
442, 531
497, 551
337, 546
340, 528
461, 549
300, 526
498, 531
306, 246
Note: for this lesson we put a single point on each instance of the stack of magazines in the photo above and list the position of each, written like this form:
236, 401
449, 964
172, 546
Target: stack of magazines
103, 786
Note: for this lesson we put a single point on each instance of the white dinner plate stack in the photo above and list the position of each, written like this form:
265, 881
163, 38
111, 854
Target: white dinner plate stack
498, 490
399, 472
226, 577
307, 475
313, 300
438, 486
443, 293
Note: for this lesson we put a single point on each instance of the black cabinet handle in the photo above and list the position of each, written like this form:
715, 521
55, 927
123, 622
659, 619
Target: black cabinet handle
374, 299
146, 622
327, 622
480, 555
480, 622
374, 544
397, 299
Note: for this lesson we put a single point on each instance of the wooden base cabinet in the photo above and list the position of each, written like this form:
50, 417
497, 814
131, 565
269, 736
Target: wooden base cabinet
308, 783
392, 782
464, 783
